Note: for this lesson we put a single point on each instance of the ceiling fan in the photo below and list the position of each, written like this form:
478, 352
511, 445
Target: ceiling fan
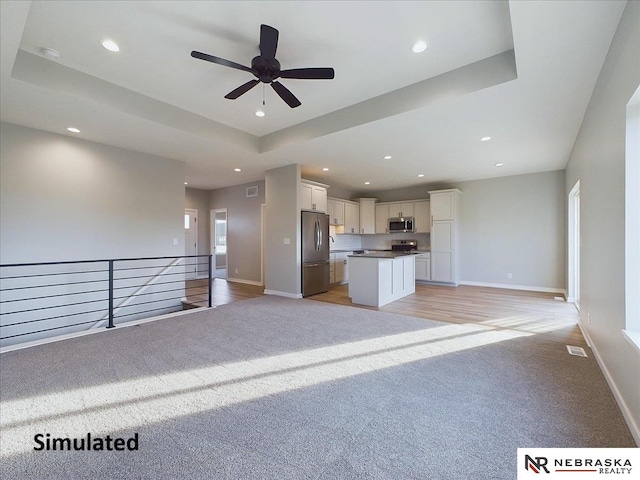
266, 69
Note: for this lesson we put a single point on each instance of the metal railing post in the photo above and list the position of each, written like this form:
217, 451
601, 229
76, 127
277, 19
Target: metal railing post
111, 325
210, 278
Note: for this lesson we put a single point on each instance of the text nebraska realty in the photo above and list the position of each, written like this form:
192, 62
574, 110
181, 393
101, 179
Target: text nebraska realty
46, 442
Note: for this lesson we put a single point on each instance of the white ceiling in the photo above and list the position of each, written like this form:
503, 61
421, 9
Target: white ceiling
427, 110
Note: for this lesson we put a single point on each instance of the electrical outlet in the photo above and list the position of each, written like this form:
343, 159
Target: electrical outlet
236, 270
509, 275
589, 318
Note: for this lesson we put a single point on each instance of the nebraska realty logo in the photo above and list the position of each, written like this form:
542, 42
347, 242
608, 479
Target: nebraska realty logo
584, 463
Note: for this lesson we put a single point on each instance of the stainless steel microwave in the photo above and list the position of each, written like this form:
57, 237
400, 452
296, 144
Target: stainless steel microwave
401, 224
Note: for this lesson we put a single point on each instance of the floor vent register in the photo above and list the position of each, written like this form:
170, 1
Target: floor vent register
577, 351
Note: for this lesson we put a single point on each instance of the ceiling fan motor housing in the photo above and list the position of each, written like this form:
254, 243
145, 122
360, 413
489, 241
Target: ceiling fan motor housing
268, 69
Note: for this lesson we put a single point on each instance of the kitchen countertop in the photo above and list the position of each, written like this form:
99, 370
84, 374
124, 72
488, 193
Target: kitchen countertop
382, 254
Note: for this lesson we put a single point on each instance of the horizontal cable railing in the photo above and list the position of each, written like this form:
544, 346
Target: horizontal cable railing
39, 300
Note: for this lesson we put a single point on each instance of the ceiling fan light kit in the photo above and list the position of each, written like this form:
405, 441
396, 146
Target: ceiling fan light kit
266, 69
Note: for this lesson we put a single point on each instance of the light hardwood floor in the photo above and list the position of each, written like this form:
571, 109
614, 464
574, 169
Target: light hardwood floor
533, 312
222, 292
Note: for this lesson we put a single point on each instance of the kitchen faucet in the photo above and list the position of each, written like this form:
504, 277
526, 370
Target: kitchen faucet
332, 239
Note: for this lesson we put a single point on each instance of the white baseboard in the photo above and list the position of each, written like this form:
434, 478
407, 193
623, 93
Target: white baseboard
516, 287
626, 412
282, 294
242, 280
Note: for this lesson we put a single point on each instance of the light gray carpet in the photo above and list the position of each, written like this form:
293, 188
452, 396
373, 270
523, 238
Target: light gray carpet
272, 388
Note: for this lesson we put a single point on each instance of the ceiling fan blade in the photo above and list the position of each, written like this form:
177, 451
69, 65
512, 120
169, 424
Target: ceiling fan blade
268, 41
308, 73
286, 95
220, 61
241, 90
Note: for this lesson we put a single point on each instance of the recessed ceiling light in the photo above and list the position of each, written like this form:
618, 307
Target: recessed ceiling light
237, 169
111, 46
186, 183
50, 53
485, 139
419, 46
260, 113
73, 130
420, 175
387, 157
499, 164
367, 183
325, 169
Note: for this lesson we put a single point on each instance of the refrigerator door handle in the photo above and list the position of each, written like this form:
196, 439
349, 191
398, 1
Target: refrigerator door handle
318, 236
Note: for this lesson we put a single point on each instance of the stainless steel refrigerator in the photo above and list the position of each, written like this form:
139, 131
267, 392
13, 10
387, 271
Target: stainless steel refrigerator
315, 253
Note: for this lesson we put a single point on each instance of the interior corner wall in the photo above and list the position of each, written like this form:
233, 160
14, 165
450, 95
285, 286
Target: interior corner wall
283, 260
244, 229
598, 161
196, 199
63, 198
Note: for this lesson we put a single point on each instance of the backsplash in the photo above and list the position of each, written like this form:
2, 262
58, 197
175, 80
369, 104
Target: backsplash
344, 242
375, 242
383, 242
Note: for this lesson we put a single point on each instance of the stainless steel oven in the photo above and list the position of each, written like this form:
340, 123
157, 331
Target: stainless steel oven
401, 224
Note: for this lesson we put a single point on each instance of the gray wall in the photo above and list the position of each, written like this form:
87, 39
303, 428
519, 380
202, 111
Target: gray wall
283, 261
513, 224
63, 198
598, 161
243, 229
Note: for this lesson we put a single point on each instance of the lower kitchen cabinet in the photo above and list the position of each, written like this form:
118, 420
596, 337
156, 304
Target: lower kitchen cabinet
423, 267
339, 270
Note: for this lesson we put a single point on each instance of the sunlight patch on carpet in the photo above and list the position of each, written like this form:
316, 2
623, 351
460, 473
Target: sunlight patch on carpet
134, 403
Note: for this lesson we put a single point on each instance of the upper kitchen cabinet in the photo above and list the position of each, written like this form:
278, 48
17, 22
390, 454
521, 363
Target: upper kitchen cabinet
351, 217
398, 209
382, 218
444, 204
313, 196
421, 213
335, 210
367, 215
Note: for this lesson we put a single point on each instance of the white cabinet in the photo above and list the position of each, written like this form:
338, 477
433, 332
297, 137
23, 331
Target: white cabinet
401, 209
445, 206
339, 272
367, 215
382, 218
351, 217
421, 213
423, 267
335, 210
312, 196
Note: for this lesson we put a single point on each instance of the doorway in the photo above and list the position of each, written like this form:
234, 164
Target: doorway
219, 244
190, 243
573, 294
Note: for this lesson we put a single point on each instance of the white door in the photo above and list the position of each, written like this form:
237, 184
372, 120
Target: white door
190, 243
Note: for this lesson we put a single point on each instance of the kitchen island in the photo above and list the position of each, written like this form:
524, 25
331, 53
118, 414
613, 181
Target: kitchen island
378, 278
